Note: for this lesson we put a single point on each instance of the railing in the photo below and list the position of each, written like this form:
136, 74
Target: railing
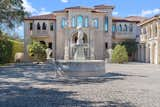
39, 33
124, 35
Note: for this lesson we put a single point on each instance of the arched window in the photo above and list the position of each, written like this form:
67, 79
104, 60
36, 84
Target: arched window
86, 22
51, 27
106, 24
131, 28
31, 26
113, 28
125, 28
73, 21
38, 26
63, 22
120, 28
156, 28
44, 27
80, 21
95, 23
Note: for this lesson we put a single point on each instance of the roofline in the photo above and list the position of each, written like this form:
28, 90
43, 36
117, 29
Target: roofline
148, 20
38, 19
107, 6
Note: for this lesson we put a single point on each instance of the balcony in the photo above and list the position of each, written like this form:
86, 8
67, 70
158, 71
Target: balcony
39, 33
124, 35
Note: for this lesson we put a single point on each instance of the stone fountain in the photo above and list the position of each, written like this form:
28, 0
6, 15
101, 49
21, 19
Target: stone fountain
80, 66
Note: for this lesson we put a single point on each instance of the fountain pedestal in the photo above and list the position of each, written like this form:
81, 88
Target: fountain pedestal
79, 54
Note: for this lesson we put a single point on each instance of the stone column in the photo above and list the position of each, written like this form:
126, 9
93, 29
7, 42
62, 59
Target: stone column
92, 34
147, 57
151, 54
53, 46
66, 47
139, 53
108, 37
142, 53
156, 53
26, 41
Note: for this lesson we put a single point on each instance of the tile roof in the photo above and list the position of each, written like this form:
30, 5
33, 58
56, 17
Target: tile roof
42, 17
103, 6
136, 18
79, 7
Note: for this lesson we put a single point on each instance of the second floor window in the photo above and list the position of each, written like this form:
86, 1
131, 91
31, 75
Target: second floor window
38, 26
63, 22
95, 23
31, 26
113, 28
80, 21
131, 28
86, 22
125, 28
106, 23
44, 26
51, 27
73, 21
120, 28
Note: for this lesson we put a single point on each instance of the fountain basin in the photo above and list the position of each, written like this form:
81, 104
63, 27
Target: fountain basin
82, 68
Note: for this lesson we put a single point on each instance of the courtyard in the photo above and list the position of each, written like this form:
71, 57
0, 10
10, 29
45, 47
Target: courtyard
126, 85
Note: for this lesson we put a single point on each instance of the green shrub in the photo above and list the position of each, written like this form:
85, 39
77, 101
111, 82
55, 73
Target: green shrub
5, 49
36, 50
17, 47
119, 54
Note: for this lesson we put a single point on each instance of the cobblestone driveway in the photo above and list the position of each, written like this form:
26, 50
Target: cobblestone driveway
129, 85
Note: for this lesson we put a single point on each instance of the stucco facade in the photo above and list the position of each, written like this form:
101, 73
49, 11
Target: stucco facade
149, 42
101, 30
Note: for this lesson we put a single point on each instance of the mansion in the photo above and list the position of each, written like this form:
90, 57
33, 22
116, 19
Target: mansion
101, 30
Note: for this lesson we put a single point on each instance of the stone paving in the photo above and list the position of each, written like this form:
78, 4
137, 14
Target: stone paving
128, 85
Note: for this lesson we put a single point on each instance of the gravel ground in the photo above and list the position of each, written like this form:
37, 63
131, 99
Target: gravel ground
128, 85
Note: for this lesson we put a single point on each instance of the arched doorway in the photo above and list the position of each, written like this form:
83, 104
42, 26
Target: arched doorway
74, 41
75, 37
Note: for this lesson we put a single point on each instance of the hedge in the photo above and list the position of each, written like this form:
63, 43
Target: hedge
17, 47
8, 48
5, 49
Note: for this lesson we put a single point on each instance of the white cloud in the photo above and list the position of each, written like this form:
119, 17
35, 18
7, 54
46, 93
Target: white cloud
29, 8
43, 11
115, 13
65, 1
148, 13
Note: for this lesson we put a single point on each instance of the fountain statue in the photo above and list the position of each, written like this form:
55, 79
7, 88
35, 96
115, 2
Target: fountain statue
79, 54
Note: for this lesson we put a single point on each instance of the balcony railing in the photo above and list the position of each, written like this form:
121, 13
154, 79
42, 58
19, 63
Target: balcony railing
39, 33
124, 35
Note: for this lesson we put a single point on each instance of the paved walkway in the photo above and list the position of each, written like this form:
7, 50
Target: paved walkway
129, 85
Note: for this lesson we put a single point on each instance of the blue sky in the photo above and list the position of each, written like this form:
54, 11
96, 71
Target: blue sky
123, 8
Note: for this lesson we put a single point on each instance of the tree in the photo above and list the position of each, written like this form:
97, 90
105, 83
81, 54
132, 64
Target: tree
37, 51
119, 54
11, 13
131, 46
5, 49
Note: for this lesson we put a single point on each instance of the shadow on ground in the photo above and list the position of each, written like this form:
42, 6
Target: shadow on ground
15, 93
35, 97
46, 74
